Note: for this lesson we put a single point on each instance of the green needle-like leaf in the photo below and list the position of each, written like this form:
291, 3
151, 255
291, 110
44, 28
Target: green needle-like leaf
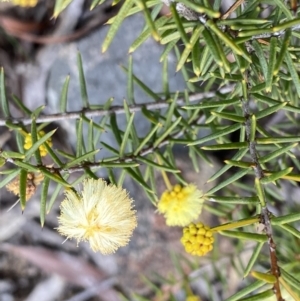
158, 166
273, 140
290, 229
229, 116
148, 18
247, 290
54, 176
254, 32
34, 138
90, 142
60, 5
235, 224
212, 104
26, 166
228, 41
218, 134
179, 25
189, 46
253, 128
260, 297
117, 23
290, 279
239, 155
3, 99
144, 87
276, 175
118, 164
130, 86
276, 153
196, 58
167, 132
44, 196
113, 150
245, 235
168, 49
253, 258
261, 57
79, 134
12, 173
10, 154
147, 138
138, 178
285, 219
81, 159
234, 145
293, 71
271, 101
232, 200
64, 95
95, 3
126, 136
54, 195
36, 145
201, 9
146, 33
241, 164
211, 43
21, 105
284, 47
23, 186
271, 65
206, 60
228, 181
83, 90
270, 110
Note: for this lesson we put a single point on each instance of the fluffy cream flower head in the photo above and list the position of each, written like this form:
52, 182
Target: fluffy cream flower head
101, 214
181, 205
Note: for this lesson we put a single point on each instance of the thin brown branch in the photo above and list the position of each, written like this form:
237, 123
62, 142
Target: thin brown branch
114, 109
265, 213
95, 165
231, 9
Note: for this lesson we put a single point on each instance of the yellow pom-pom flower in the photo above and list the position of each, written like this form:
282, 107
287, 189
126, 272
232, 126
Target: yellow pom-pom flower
181, 206
25, 3
193, 298
101, 214
42, 148
197, 239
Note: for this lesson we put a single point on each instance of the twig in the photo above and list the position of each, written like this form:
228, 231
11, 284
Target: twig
265, 213
114, 109
94, 165
232, 8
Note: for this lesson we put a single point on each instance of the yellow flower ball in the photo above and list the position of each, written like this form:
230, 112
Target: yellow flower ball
25, 3
197, 239
193, 298
181, 206
101, 214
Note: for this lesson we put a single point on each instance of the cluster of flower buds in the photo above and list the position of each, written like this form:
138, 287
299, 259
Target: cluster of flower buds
42, 148
197, 239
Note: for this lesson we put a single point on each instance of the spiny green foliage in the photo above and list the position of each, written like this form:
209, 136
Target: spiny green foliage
242, 72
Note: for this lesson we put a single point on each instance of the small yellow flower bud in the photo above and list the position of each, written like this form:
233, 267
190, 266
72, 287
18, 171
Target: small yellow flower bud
192, 298
42, 148
25, 3
197, 239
